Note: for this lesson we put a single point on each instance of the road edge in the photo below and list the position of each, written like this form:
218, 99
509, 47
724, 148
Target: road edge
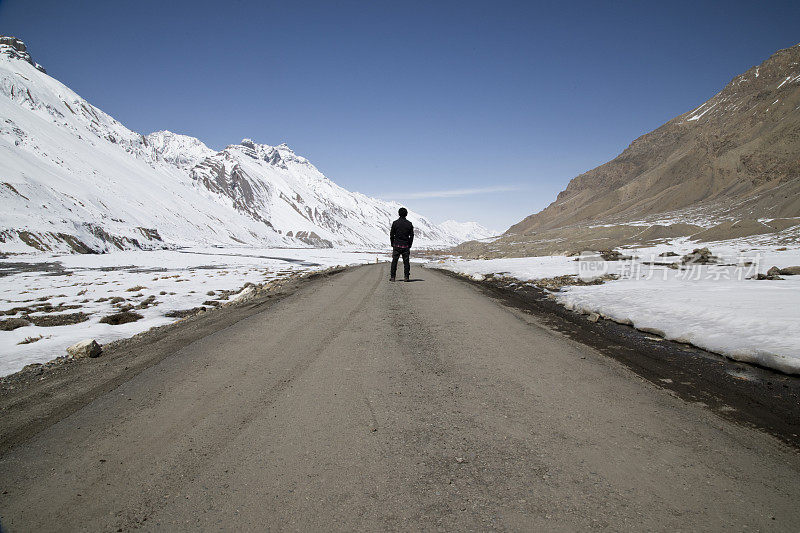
749, 395
35, 398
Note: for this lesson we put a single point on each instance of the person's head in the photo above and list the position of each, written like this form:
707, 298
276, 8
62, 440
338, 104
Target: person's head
403, 212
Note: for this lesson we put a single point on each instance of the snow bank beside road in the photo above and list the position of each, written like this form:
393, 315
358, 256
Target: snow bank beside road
152, 283
752, 321
710, 306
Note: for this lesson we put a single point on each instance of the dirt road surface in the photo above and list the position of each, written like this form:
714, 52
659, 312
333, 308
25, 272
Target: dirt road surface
359, 404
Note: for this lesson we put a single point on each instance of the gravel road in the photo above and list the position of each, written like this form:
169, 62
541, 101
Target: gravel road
358, 404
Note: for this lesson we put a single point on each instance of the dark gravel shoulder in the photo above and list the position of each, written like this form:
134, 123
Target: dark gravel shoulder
753, 396
35, 398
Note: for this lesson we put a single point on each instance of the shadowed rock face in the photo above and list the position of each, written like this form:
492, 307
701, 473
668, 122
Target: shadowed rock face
735, 156
13, 47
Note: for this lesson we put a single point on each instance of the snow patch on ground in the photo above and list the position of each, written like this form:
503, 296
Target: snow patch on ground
713, 307
90, 282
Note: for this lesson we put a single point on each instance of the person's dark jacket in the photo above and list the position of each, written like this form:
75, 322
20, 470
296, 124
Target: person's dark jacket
402, 234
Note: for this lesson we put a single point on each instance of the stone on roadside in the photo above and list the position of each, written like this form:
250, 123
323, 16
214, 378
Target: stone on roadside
85, 348
245, 294
593, 317
774, 271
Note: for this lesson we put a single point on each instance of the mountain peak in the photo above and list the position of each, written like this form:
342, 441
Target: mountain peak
250, 143
16, 49
467, 231
181, 150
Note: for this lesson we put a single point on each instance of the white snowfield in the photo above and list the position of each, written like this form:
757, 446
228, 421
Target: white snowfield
70, 171
173, 280
710, 306
468, 231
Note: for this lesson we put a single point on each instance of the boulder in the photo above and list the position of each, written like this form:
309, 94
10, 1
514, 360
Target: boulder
790, 271
614, 255
248, 292
774, 271
85, 348
699, 256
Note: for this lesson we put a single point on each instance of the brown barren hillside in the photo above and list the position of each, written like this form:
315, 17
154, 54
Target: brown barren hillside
735, 156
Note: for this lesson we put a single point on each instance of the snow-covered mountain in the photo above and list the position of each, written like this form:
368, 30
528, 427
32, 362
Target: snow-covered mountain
74, 178
467, 231
180, 150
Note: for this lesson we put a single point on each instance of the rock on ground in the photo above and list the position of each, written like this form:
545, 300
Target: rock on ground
699, 256
85, 348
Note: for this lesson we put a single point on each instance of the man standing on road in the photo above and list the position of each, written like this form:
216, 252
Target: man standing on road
402, 236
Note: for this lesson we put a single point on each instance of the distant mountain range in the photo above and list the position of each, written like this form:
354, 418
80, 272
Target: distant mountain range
728, 168
72, 178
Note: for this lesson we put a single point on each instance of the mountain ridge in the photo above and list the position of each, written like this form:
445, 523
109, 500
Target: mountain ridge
72, 178
732, 156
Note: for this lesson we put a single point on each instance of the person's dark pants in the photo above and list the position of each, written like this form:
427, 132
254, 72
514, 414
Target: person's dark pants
396, 253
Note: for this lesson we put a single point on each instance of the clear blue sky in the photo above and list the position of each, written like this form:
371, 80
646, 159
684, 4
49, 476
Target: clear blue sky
402, 99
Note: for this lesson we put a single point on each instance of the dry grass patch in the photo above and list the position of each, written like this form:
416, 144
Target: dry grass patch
10, 324
121, 318
137, 288
147, 302
46, 321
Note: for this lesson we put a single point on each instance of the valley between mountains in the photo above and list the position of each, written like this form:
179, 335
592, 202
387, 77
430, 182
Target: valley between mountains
193, 338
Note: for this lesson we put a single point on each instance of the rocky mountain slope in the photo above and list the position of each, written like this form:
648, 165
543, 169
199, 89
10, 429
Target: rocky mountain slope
734, 158
72, 178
